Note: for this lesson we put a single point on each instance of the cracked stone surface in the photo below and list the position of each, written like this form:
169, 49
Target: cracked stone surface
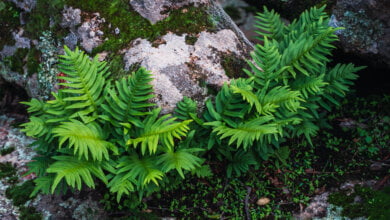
178, 68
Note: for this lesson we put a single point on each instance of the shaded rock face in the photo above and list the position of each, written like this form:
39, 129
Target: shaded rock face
367, 27
179, 68
243, 15
26, 5
156, 10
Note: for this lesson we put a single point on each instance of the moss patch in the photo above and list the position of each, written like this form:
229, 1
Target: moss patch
372, 204
7, 170
6, 151
22, 57
45, 16
29, 213
233, 66
20, 194
9, 17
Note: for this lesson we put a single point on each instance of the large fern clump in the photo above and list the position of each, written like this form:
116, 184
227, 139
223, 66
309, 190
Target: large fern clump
99, 131
287, 90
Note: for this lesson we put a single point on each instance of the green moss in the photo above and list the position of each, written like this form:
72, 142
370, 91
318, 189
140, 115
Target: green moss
33, 56
7, 170
233, 66
191, 39
45, 16
20, 194
29, 213
15, 62
374, 204
6, 151
9, 17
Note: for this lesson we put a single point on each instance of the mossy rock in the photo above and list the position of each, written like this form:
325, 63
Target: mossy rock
20, 194
373, 204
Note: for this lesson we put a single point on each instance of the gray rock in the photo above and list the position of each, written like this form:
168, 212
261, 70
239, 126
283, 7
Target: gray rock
88, 41
20, 42
71, 40
25, 5
117, 31
154, 10
178, 68
367, 28
70, 17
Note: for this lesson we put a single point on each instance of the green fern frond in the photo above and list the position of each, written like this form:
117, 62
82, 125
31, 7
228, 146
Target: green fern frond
309, 85
241, 87
308, 129
85, 80
247, 132
281, 96
186, 109
229, 107
75, 171
340, 77
202, 171
129, 100
120, 185
35, 106
159, 130
42, 184
179, 160
39, 165
239, 163
85, 139
269, 25
141, 170
36, 127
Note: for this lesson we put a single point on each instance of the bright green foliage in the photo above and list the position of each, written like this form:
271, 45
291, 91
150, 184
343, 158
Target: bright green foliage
95, 129
288, 83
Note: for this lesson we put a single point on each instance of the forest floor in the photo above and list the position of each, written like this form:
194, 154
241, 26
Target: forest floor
344, 173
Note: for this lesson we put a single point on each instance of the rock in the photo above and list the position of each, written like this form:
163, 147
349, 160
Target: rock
20, 42
71, 40
88, 41
316, 208
70, 17
367, 28
12, 137
154, 10
25, 5
243, 15
178, 68
117, 31
263, 201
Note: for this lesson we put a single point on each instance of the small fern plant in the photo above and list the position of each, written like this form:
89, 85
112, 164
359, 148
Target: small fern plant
96, 130
287, 90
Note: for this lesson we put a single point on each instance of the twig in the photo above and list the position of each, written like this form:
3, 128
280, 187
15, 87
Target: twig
248, 192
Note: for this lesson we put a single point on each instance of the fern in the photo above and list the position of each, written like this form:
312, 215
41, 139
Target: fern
158, 130
246, 133
288, 83
85, 139
130, 98
83, 85
75, 172
179, 160
92, 120
240, 162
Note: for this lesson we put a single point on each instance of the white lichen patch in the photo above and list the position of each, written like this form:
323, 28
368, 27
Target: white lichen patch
177, 67
12, 137
155, 11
